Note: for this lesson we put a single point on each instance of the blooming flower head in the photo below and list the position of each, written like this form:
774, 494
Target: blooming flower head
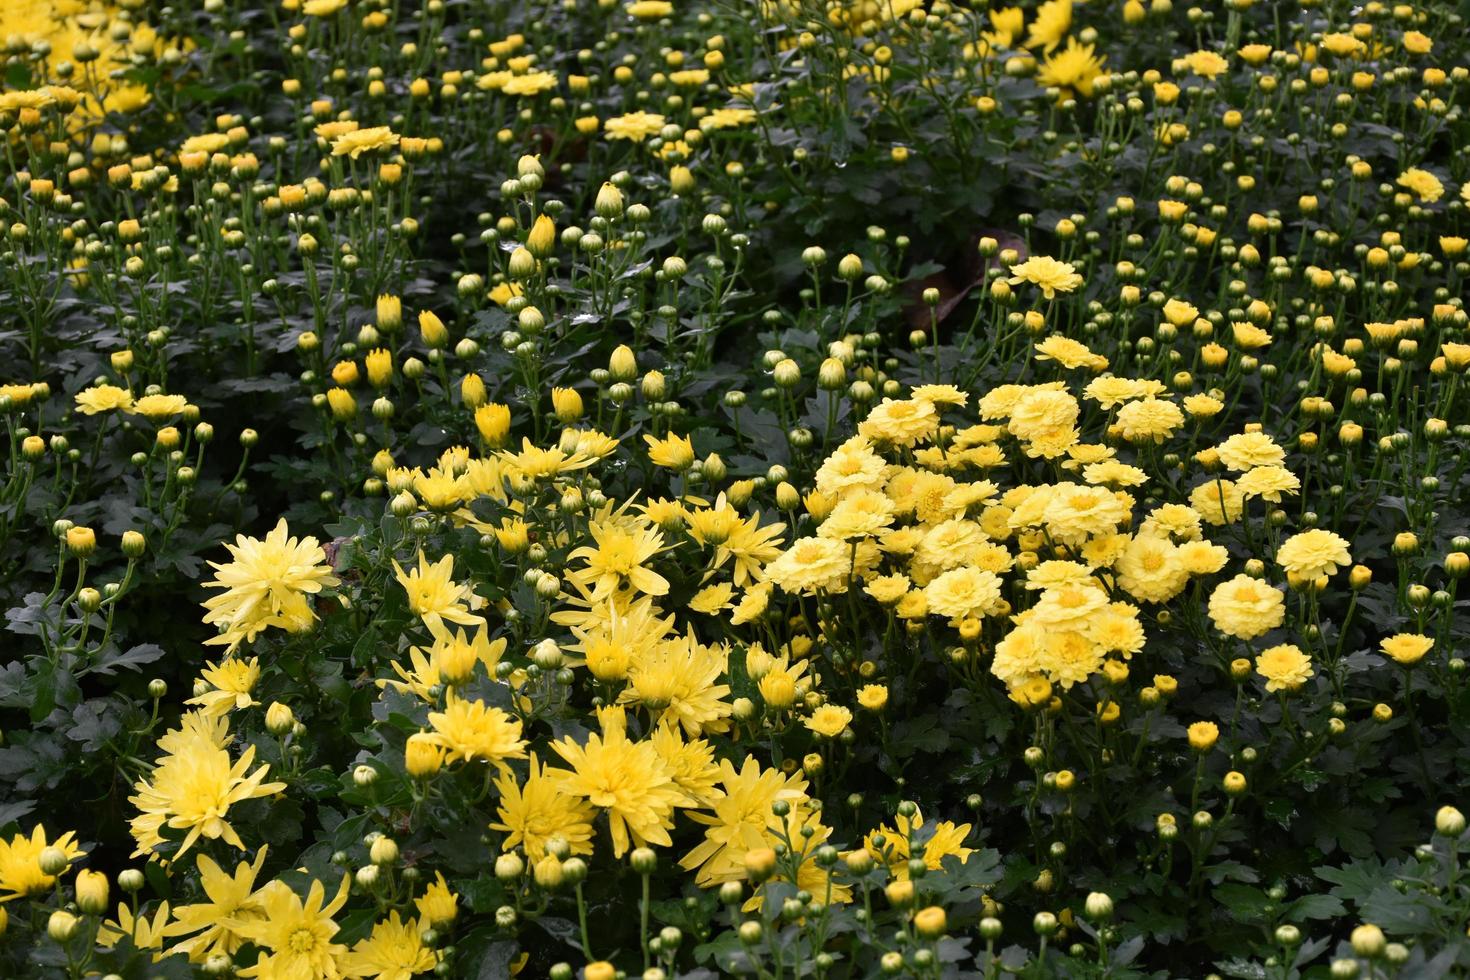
677, 681
192, 789
649, 9
1285, 667
1047, 274
1053, 20
739, 819
962, 592
470, 730
1073, 69
634, 126
360, 141
394, 949
20, 863
230, 683
618, 559
533, 813
267, 583
1312, 554
213, 924
900, 422
673, 452
296, 936
811, 565
1246, 450
1246, 607
1422, 184
104, 398
434, 596
156, 408
828, 721
1406, 648
627, 780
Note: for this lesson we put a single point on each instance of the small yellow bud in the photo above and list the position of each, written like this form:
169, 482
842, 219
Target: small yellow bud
91, 889
609, 203
432, 329
279, 719
930, 922
541, 241
567, 404
81, 541
622, 365
472, 391
61, 926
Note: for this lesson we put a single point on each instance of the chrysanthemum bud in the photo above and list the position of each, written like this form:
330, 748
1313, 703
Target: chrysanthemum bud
133, 544
53, 861
384, 851
279, 719
509, 867
389, 311
61, 926
81, 541
522, 263
548, 872
91, 888
760, 864
541, 240
609, 202
930, 922
432, 330
421, 756
622, 365
472, 391
567, 404
1368, 941
1449, 821
1098, 906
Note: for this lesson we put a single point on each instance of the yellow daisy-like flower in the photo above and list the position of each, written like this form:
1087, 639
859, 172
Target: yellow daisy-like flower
434, 596
634, 126
470, 730
156, 408
213, 926
297, 936
1314, 553
394, 949
1422, 184
360, 141
828, 721
618, 560
268, 583
739, 820
626, 780
1047, 274
1285, 667
1073, 69
20, 863
1406, 648
230, 683
192, 789
103, 398
533, 813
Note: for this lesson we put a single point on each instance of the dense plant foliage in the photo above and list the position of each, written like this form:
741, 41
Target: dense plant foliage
798, 488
